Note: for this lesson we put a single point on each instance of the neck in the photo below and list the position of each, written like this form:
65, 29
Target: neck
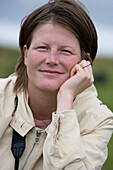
42, 103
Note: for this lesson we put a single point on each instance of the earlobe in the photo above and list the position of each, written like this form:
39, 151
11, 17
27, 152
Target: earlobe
25, 54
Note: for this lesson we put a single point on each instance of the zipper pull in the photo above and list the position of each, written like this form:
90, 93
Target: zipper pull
38, 133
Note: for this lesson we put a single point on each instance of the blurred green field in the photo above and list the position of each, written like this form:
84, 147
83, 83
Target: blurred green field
103, 73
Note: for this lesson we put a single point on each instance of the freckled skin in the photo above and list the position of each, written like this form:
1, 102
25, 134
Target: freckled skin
52, 54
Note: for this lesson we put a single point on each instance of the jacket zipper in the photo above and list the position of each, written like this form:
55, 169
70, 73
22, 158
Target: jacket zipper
38, 133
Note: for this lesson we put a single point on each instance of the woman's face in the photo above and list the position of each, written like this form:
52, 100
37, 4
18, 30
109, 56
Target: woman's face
53, 52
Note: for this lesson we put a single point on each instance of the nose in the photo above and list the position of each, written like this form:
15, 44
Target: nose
52, 58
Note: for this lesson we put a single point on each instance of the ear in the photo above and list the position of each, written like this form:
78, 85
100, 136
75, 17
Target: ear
88, 54
89, 58
25, 54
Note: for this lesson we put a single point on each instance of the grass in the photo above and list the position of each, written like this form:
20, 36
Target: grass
8, 60
103, 73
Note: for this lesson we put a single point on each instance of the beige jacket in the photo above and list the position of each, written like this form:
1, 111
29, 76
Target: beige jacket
75, 140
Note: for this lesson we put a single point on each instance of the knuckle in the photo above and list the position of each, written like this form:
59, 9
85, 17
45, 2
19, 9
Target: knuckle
88, 62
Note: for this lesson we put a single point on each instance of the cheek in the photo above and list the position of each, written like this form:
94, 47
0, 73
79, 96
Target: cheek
32, 64
34, 60
70, 63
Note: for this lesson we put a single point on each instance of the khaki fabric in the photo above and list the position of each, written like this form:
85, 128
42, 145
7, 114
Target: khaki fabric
75, 140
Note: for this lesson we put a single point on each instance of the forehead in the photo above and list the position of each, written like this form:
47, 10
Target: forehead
55, 28
55, 35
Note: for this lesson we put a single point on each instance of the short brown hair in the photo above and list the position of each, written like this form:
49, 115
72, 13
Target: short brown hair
69, 13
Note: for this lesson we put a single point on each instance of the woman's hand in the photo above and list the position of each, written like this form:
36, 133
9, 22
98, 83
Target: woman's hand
81, 77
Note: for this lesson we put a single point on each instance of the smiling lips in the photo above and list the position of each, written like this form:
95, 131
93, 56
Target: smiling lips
51, 72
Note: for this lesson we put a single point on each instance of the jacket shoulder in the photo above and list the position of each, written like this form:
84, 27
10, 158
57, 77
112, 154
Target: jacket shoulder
6, 102
6, 85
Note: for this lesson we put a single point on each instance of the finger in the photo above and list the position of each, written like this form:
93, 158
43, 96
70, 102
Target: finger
85, 63
77, 68
86, 66
88, 70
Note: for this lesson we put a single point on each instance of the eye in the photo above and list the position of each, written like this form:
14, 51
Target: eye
42, 48
66, 52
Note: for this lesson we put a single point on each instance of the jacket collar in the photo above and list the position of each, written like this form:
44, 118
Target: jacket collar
22, 121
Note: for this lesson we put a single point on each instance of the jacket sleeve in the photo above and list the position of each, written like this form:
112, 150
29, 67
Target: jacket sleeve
6, 103
4, 122
5, 112
67, 147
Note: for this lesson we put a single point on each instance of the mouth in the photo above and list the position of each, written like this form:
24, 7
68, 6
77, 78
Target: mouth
51, 72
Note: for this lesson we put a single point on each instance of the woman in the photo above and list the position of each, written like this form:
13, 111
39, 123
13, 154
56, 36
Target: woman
49, 112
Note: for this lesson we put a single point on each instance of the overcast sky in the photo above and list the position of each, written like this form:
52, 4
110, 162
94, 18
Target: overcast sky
12, 12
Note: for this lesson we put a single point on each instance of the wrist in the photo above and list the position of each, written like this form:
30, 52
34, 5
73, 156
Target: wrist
64, 101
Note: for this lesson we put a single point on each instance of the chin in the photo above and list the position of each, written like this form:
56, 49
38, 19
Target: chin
50, 87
